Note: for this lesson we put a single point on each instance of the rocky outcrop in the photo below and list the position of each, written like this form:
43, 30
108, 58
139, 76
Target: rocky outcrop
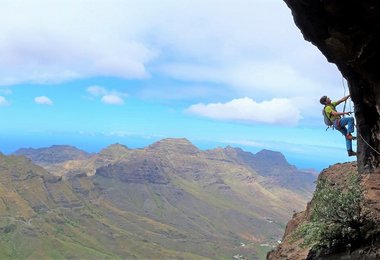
348, 34
174, 145
112, 151
53, 154
291, 248
139, 171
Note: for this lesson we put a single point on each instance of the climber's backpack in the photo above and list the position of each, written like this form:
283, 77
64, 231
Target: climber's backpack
326, 119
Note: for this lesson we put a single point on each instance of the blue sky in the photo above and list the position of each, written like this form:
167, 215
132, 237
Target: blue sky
218, 72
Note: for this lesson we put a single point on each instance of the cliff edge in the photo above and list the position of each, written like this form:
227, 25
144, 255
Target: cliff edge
367, 247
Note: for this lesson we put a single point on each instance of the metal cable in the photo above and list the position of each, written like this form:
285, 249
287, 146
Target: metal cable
369, 144
344, 87
344, 94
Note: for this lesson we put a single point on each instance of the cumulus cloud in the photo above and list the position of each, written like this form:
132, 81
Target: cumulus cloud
43, 100
266, 79
276, 111
96, 91
111, 97
245, 49
3, 101
44, 43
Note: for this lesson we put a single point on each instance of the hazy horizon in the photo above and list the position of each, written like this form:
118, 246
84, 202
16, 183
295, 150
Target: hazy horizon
97, 144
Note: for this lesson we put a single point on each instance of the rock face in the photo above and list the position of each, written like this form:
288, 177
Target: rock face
139, 171
348, 34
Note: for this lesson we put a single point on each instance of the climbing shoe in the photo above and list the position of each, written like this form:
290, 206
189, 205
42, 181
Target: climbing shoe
350, 137
351, 153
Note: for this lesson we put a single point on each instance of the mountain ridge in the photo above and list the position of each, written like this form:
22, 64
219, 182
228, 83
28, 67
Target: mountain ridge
188, 201
270, 164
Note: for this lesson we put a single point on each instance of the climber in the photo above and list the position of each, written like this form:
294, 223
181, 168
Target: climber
339, 122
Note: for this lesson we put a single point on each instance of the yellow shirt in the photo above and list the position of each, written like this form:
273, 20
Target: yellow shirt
329, 109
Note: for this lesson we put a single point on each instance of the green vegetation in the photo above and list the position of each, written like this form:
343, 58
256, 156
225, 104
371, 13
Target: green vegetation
338, 217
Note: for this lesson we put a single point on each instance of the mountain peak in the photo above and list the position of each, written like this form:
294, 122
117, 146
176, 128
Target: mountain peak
114, 150
274, 156
53, 154
227, 153
116, 146
180, 145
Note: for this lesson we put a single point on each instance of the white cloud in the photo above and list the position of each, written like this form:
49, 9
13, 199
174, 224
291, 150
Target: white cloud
112, 99
238, 44
266, 79
42, 42
43, 100
96, 91
275, 111
3, 101
45, 43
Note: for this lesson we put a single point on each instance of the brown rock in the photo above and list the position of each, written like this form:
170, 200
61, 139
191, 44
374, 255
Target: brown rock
290, 248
